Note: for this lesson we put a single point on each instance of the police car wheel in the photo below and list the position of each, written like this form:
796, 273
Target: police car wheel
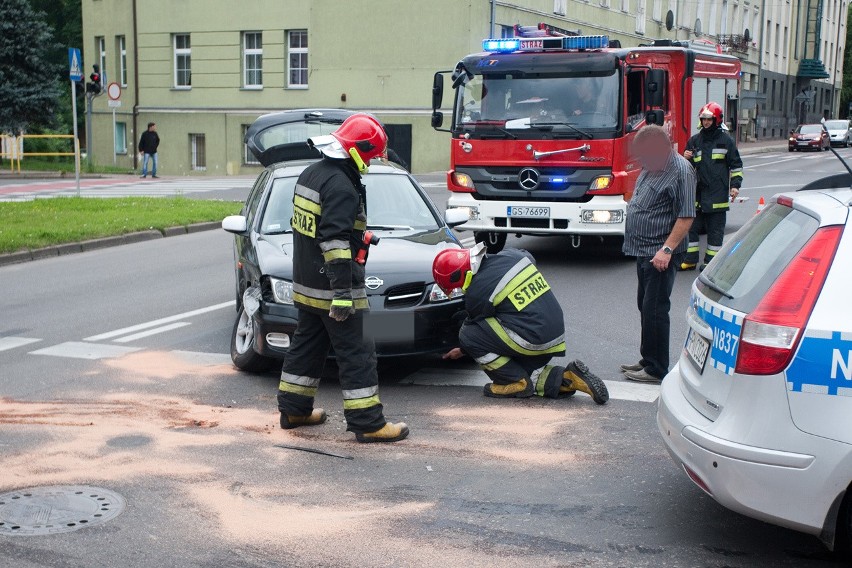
494, 242
243, 355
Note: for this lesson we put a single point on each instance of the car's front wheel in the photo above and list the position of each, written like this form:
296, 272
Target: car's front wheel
494, 242
243, 354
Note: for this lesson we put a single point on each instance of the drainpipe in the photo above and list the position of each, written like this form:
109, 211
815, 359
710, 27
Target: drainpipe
834, 68
759, 62
135, 88
493, 10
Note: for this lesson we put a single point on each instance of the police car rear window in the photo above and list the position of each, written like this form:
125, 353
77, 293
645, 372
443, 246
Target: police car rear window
752, 260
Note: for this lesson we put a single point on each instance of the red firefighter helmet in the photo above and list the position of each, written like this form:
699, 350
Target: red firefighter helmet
360, 137
711, 110
450, 268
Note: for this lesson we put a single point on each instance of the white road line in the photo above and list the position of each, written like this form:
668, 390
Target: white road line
80, 350
768, 163
161, 321
775, 185
618, 390
151, 332
10, 342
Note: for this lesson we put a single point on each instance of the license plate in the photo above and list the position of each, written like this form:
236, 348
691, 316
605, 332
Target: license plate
521, 211
697, 348
803, 143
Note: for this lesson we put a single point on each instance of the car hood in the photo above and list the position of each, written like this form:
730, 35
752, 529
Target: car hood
397, 259
840, 132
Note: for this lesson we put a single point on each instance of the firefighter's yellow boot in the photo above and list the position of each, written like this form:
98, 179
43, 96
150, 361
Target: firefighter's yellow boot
390, 432
684, 266
578, 376
519, 389
315, 418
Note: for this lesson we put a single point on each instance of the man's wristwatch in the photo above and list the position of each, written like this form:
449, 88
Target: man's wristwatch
667, 249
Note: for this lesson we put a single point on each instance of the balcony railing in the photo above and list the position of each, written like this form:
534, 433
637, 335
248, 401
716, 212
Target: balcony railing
736, 42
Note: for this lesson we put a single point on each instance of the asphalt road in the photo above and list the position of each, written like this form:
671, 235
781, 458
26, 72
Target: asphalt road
114, 373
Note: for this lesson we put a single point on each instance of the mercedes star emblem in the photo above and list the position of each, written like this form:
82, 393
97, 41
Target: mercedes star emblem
373, 283
528, 178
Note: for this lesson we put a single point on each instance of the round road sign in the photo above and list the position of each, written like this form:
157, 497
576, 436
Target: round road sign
114, 91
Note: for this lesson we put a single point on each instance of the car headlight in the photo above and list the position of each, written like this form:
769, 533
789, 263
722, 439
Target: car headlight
438, 295
282, 291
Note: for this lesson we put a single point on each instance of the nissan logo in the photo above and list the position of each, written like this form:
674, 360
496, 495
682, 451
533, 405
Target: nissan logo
528, 178
373, 283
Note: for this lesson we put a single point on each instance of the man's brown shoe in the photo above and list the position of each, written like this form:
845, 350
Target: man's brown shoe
315, 418
388, 433
519, 389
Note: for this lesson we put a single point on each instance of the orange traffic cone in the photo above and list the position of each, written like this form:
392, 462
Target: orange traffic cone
760, 205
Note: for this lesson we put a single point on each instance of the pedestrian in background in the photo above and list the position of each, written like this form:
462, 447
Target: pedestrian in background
659, 216
148, 144
719, 170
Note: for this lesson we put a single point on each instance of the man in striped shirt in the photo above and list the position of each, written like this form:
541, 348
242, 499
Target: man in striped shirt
659, 216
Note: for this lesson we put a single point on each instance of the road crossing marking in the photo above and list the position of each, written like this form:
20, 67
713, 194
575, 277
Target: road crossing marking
11, 342
618, 390
158, 322
117, 188
81, 350
151, 332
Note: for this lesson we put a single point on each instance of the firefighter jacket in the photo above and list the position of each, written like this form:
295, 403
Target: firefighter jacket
329, 220
511, 297
718, 167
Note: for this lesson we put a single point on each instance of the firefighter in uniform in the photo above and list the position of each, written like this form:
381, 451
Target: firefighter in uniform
329, 220
515, 325
720, 174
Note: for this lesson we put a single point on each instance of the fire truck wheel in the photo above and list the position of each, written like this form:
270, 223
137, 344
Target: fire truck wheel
494, 242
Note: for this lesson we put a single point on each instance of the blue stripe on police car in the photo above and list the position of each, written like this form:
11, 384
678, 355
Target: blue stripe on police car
727, 328
823, 364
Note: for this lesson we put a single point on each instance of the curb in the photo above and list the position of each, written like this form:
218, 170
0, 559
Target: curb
762, 150
105, 242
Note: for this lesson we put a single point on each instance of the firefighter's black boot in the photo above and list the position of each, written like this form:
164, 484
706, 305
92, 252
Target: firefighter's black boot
315, 418
578, 376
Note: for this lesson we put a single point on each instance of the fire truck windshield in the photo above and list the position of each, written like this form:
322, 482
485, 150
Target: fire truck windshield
525, 106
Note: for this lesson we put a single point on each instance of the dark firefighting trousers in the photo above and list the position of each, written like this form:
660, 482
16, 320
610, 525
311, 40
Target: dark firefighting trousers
714, 225
356, 359
505, 366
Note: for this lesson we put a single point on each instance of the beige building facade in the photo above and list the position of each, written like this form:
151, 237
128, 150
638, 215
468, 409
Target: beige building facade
203, 70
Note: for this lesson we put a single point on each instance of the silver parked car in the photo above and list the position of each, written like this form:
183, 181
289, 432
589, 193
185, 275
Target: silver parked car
839, 132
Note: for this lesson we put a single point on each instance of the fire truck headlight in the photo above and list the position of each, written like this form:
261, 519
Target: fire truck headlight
602, 216
462, 180
599, 183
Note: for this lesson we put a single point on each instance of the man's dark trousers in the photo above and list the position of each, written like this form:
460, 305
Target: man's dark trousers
654, 301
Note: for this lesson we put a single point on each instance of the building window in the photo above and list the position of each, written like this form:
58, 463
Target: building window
248, 157
640, 16
559, 7
252, 60
507, 31
777, 39
657, 14
100, 46
297, 58
121, 48
625, 6
120, 137
198, 152
182, 61
786, 41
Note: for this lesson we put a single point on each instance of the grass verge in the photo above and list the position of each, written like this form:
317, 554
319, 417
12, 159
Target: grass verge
46, 222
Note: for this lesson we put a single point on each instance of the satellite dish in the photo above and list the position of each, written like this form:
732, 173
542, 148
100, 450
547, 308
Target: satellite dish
669, 20
747, 35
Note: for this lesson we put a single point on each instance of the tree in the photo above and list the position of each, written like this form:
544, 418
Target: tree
846, 93
29, 89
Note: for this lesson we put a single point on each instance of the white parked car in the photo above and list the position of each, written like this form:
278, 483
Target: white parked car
839, 132
758, 409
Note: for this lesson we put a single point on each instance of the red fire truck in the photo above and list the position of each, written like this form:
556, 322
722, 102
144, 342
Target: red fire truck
542, 125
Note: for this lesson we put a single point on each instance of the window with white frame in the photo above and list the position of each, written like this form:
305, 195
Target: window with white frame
657, 13
253, 60
297, 59
640, 16
182, 48
625, 6
248, 157
198, 152
507, 31
120, 137
559, 7
121, 48
100, 44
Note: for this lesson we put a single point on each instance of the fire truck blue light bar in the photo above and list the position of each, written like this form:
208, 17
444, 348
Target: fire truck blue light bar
585, 42
505, 45
508, 45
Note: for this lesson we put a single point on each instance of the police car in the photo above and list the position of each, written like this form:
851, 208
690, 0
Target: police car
758, 409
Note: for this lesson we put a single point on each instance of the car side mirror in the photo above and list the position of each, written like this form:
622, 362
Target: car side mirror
456, 216
235, 224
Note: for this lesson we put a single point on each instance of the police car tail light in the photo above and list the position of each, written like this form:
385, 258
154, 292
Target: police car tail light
772, 331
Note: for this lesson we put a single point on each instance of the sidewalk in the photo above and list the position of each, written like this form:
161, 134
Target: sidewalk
762, 146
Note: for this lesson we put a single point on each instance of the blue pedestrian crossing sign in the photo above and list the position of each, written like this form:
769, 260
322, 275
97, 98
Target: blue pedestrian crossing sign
75, 71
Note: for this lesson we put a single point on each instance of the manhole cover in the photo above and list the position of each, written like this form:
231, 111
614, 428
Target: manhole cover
57, 509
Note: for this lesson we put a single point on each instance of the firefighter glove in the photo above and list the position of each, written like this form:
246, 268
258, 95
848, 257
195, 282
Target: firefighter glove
341, 306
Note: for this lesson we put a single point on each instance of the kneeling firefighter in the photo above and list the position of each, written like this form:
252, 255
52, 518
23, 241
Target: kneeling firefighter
329, 224
515, 325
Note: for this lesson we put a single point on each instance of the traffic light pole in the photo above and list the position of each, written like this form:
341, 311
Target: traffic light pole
76, 136
89, 99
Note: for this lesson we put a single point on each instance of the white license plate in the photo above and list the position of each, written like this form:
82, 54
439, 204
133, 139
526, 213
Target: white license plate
522, 211
803, 143
697, 348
